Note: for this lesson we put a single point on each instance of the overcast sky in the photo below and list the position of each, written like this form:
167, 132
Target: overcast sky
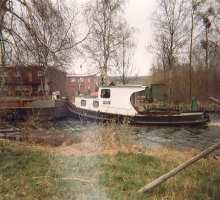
138, 14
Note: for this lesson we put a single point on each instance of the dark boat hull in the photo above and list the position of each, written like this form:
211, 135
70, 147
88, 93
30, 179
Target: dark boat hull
145, 119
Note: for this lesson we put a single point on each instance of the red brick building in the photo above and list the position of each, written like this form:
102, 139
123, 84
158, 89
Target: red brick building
80, 84
30, 81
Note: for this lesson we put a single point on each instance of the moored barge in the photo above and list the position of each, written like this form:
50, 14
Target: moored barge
25, 109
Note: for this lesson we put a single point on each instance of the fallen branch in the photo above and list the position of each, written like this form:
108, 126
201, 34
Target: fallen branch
179, 168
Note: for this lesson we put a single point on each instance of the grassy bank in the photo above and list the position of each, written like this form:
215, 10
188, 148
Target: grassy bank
32, 174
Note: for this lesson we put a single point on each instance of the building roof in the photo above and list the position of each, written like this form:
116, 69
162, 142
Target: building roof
122, 86
32, 67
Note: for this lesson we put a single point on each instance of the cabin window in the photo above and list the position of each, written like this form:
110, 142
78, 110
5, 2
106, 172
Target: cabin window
105, 93
95, 104
83, 102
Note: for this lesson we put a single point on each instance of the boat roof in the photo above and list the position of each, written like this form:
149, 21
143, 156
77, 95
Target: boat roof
122, 86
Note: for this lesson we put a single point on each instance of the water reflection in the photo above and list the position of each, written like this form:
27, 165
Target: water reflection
180, 137
151, 136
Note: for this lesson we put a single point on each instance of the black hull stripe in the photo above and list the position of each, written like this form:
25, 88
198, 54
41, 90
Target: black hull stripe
138, 119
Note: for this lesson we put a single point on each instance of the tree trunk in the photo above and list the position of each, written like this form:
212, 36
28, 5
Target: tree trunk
2, 14
207, 62
190, 56
123, 64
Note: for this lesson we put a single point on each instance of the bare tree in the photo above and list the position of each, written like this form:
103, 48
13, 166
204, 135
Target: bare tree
37, 33
170, 21
4, 5
194, 4
103, 18
122, 60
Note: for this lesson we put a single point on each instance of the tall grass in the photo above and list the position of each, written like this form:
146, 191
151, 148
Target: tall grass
44, 133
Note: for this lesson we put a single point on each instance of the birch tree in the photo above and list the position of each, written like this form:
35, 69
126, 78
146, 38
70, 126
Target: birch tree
103, 18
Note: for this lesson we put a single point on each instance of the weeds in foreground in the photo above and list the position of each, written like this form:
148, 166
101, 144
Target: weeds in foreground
110, 138
44, 133
101, 138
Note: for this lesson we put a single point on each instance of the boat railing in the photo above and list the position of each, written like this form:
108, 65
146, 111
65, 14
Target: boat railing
87, 96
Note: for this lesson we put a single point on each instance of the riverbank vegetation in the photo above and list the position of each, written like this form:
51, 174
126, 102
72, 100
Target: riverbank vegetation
186, 45
102, 164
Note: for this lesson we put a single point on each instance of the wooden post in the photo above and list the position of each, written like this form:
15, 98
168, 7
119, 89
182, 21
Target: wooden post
179, 168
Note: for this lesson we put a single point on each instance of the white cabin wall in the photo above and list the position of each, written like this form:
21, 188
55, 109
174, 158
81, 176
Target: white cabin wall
120, 102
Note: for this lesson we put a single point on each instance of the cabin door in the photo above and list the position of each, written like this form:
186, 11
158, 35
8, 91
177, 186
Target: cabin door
135, 103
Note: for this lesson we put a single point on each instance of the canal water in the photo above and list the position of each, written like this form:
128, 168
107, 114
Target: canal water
179, 137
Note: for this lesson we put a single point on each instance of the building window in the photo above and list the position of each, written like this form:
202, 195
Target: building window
105, 93
95, 104
5, 87
24, 87
40, 73
21, 87
40, 87
5, 74
17, 87
89, 87
83, 102
88, 79
17, 74
81, 79
73, 80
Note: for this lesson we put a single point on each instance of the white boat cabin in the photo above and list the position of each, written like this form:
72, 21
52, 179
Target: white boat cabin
113, 99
